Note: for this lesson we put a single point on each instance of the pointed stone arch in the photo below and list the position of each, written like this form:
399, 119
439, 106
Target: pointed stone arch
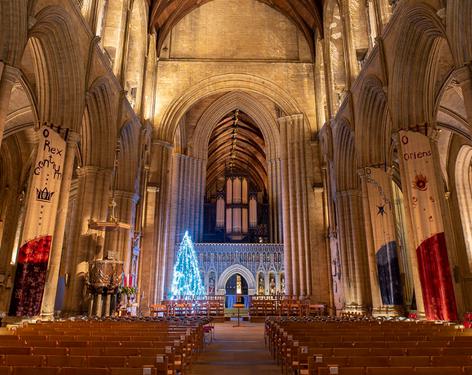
415, 66
98, 131
345, 155
218, 85
229, 103
58, 68
374, 116
232, 270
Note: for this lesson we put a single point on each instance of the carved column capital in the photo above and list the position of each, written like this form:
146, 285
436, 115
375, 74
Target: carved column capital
89, 170
73, 137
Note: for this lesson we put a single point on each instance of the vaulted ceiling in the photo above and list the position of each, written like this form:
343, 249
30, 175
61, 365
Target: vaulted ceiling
306, 14
237, 147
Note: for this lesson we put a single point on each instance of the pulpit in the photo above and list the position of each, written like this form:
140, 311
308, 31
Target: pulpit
104, 278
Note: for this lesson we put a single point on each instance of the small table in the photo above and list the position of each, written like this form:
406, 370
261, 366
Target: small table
238, 306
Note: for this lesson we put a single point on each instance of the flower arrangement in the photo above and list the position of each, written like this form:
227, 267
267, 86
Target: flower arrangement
127, 290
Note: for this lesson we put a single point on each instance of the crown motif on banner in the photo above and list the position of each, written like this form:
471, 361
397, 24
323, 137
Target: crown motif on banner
44, 194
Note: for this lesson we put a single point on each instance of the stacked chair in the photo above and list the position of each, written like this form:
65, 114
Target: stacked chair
265, 306
212, 307
366, 346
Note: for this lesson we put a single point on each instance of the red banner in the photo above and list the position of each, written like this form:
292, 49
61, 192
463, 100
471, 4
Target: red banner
40, 220
30, 277
420, 186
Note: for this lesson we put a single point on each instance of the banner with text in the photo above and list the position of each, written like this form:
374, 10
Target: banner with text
379, 195
420, 186
40, 220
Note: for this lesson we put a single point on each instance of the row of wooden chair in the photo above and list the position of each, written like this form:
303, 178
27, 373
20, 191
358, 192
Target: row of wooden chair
102, 347
367, 347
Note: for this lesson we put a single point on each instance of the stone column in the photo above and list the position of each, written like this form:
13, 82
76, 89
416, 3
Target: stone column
336, 296
353, 249
412, 224
9, 76
155, 229
383, 252
52, 277
185, 206
318, 264
372, 263
119, 240
413, 260
190, 185
275, 201
294, 150
87, 244
148, 271
448, 220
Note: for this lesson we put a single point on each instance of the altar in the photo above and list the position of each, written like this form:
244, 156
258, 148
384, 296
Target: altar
231, 299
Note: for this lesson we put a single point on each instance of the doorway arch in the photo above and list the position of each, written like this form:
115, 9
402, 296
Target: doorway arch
231, 271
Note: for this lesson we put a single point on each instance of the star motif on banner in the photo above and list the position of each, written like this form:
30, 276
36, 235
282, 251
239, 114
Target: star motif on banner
381, 210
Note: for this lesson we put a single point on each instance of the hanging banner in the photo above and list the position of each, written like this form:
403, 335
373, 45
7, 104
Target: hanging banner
40, 220
419, 184
379, 195
336, 272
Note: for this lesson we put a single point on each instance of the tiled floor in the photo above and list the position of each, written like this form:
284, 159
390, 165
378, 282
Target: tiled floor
236, 351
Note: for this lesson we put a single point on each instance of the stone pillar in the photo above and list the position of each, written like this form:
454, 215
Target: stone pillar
52, 277
318, 259
155, 226
185, 206
353, 250
294, 151
431, 255
373, 274
148, 271
9, 76
189, 180
119, 240
382, 245
449, 221
87, 244
275, 201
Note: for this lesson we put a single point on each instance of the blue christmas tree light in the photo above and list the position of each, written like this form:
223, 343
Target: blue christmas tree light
186, 282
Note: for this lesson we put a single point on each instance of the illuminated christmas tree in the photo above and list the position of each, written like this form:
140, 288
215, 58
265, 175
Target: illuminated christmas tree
186, 282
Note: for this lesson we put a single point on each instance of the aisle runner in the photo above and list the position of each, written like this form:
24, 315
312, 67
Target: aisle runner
381, 213
39, 225
420, 185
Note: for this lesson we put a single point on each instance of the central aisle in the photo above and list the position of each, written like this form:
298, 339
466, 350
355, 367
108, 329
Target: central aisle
236, 351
